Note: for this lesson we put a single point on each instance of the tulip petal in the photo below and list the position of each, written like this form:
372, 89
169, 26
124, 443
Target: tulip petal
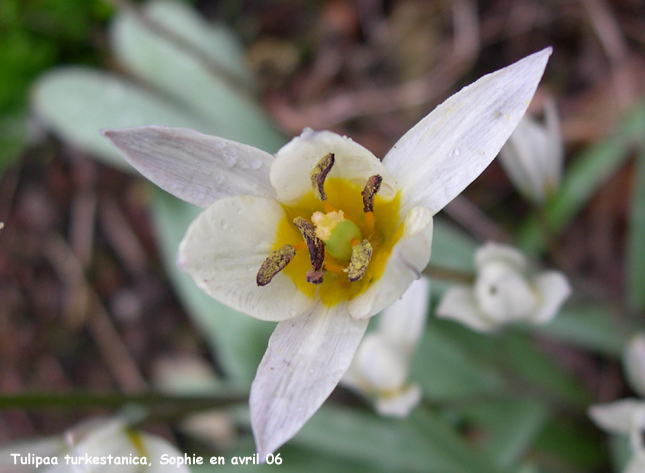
403, 322
399, 405
637, 463
553, 288
459, 304
304, 362
449, 148
617, 417
504, 254
293, 163
409, 257
194, 167
223, 250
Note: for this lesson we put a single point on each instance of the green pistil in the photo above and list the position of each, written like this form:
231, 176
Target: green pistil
339, 244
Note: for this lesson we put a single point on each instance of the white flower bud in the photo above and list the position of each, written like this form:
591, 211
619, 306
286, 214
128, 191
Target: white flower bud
634, 364
504, 292
533, 156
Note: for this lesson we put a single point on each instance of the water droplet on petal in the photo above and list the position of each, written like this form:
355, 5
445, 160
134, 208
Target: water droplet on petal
292, 312
219, 178
250, 267
220, 144
230, 159
455, 152
223, 223
256, 163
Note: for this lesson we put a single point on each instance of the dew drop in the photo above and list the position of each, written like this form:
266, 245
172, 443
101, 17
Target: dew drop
456, 152
220, 144
219, 178
223, 223
292, 312
256, 163
250, 267
230, 159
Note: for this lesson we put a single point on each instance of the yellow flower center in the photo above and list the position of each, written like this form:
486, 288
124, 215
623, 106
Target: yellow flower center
381, 229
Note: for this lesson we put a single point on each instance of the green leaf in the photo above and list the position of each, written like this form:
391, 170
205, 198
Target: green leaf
589, 171
510, 426
590, 327
293, 460
636, 237
546, 378
238, 340
446, 370
452, 248
78, 102
572, 447
158, 59
13, 131
423, 442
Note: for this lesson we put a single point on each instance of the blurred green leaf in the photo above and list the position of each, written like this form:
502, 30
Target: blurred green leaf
238, 340
546, 377
569, 447
590, 170
13, 131
590, 327
510, 426
636, 236
160, 60
446, 370
78, 102
423, 442
294, 460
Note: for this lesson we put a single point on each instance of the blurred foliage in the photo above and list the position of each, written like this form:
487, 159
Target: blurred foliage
35, 35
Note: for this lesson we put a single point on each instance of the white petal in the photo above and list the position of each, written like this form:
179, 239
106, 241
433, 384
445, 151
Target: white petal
634, 364
154, 448
197, 168
223, 250
553, 288
637, 463
399, 405
617, 417
448, 149
403, 322
293, 163
384, 366
409, 257
496, 253
459, 304
504, 294
304, 362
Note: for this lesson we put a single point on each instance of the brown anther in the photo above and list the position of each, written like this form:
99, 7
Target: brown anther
361, 255
314, 244
275, 263
319, 174
369, 192
315, 276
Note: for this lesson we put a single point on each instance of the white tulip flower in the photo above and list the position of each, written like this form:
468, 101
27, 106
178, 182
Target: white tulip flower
105, 445
533, 156
380, 368
634, 363
624, 417
289, 239
503, 292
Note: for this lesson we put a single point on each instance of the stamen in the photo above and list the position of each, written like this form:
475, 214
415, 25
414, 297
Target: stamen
361, 255
369, 192
315, 244
319, 174
275, 263
315, 276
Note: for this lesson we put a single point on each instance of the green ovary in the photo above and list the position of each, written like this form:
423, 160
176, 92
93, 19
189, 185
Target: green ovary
339, 244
